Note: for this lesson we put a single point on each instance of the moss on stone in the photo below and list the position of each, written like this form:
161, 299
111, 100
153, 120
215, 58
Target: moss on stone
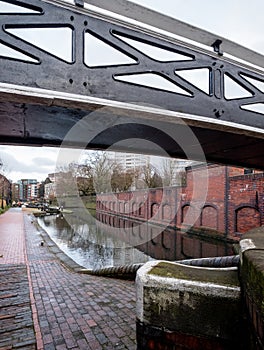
177, 271
252, 273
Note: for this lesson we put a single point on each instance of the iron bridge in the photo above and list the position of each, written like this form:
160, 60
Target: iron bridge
122, 71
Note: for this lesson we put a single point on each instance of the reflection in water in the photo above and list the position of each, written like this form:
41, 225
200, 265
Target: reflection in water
166, 244
113, 241
88, 245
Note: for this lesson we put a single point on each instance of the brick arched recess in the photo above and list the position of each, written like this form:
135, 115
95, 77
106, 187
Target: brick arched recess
209, 217
154, 209
247, 217
126, 208
184, 210
187, 208
140, 209
134, 209
166, 212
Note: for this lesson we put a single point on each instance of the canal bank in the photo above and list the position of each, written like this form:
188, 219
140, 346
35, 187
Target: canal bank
47, 305
72, 310
248, 333
112, 241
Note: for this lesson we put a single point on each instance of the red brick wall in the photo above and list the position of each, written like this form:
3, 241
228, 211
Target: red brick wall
241, 196
232, 171
208, 200
245, 202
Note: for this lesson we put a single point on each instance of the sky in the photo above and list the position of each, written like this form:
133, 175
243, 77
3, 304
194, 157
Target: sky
238, 20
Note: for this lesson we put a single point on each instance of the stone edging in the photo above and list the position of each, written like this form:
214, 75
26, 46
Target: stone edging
53, 248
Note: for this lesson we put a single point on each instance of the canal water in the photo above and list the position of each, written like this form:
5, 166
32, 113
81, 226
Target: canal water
113, 241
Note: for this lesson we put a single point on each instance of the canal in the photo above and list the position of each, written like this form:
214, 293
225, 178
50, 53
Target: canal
112, 241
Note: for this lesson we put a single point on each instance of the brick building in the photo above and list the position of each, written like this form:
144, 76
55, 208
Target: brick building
221, 198
5, 191
27, 189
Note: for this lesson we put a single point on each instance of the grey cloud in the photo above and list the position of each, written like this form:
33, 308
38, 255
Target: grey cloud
38, 164
43, 161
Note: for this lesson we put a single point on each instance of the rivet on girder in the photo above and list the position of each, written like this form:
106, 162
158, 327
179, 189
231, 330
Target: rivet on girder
218, 112
79, 3
217, 47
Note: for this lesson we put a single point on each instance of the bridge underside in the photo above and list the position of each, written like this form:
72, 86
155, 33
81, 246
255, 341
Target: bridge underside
35, 124
143, 83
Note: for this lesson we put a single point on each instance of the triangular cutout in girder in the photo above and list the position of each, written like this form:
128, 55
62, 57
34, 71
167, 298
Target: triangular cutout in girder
98, 53
154, 52
6, 7
152, 80
199, 77
257, 83
6, 51
254, 107
233, 90
56, 41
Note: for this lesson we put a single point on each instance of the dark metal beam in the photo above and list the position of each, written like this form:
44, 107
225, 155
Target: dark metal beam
40, 125
177, 27
42, 100
105, 81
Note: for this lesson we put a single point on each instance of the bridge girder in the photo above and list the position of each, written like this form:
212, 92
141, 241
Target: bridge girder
42, 95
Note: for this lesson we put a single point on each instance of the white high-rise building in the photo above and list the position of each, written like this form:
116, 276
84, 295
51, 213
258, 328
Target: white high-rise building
131, 160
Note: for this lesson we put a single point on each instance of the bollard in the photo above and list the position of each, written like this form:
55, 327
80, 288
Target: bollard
186, 307
252, 282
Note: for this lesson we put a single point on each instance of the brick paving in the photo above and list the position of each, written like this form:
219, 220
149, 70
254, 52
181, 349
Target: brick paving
16, 322
12, 243
70, 310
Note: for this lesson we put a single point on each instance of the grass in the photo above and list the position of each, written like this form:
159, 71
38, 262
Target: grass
2, 211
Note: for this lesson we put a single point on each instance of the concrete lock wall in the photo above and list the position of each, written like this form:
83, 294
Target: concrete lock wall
184, 307
252, 283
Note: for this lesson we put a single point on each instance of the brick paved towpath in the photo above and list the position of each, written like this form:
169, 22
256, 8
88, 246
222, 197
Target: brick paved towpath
45, 305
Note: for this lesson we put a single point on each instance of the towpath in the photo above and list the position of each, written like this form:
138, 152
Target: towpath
46, 305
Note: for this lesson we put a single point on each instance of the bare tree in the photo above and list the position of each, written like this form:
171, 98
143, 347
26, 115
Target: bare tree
172, 172
100, 173
121, 179
102, 168
65, 181
148, 177
84, 176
